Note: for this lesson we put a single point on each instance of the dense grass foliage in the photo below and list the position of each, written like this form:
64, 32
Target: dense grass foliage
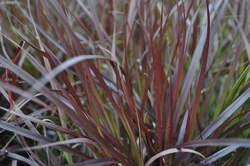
124, 82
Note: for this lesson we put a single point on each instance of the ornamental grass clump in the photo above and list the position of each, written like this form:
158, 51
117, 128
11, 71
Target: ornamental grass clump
124, 82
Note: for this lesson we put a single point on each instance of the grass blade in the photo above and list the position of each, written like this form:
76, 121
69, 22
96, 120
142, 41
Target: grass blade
226, 114
171, 151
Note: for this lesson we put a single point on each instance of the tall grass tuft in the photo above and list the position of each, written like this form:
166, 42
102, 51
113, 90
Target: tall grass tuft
124, 82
